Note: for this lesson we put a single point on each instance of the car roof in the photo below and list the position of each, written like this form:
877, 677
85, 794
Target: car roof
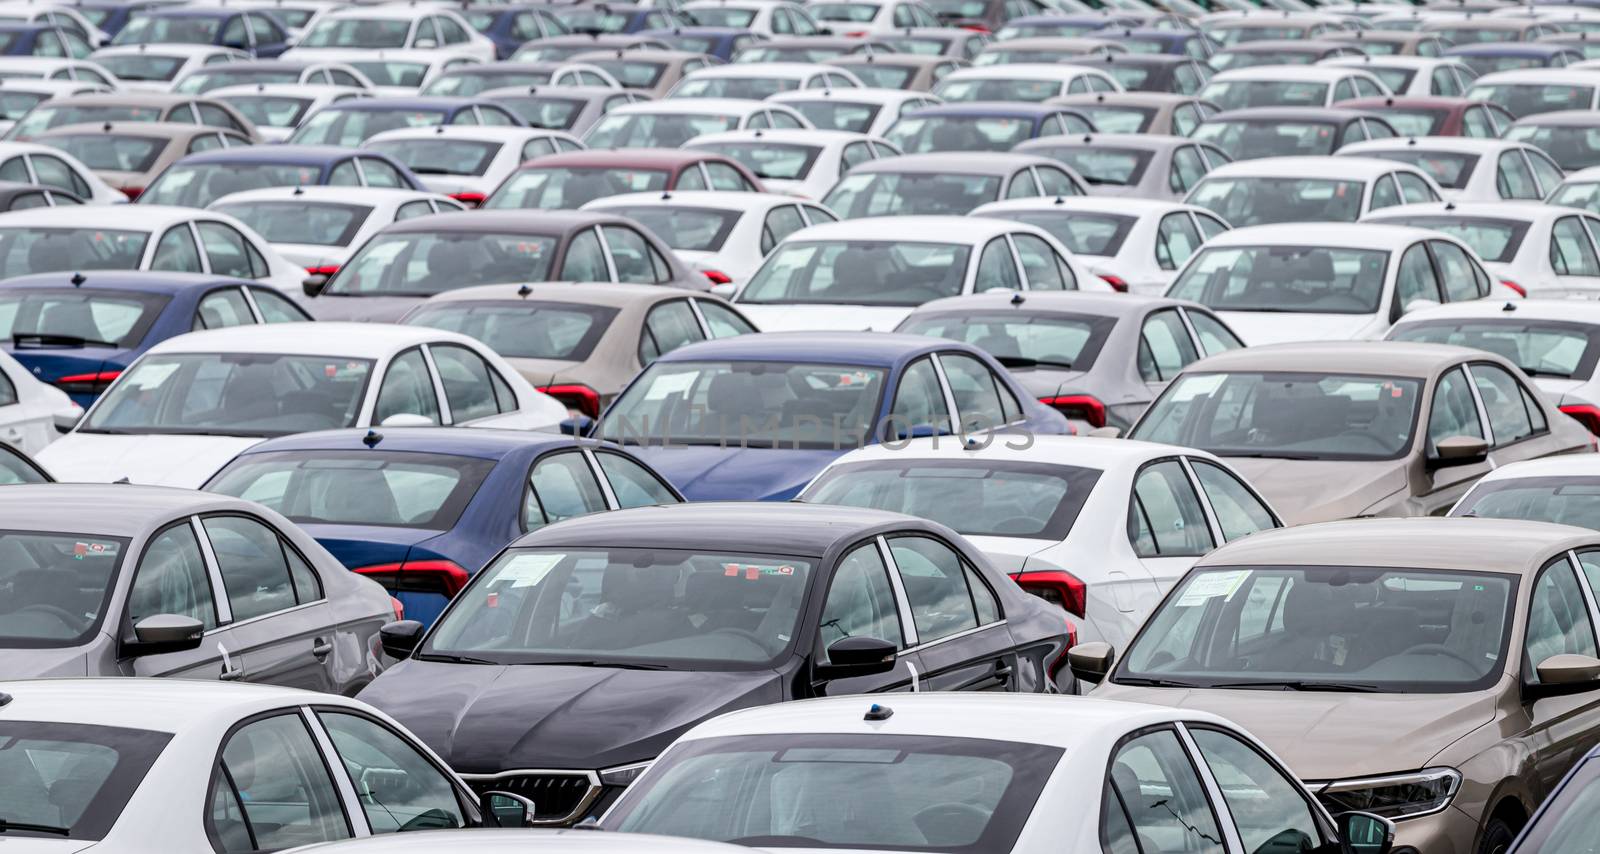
733, 200
485, 133
1387, 358
511, 221
160, 705
168, 130
707, 106
1379, 102
1147, 141
1576, 118
159, 49
331, 194
1565, 311
485, 444
1529, 211
1508, 48
1265, 45
105, 509
1134, 99
1345, 168
123, 280
613, 294
1559, 76
760, 69
861, 95
990, 108
1063, 302
323, 338
1469, 145
126, 98
795, 135
1563, 465
1306, 73
638, 158
1389, 61
518, 841
299, 155
997, 163
880, 349
1062, 71
1130, 205
1355, 235
912, 229
1343, 113
1485, 545
131, 217
732, 526
418, 102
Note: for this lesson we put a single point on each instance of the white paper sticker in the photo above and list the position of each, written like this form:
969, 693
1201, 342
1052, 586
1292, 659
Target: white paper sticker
527, 570
1195, 385
152, 376
1211, 585
667, 384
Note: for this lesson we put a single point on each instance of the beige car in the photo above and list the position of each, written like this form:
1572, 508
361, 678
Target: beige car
1140, 112
646, 70
132, 107
1359, 428
911, 71
581, 343
1441, 673
129, 155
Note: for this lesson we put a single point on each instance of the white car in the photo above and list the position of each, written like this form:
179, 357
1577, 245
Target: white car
502, 841
1580, 189
1557, 489
769, 18
755, 81
1528, 91
393, 27
723, 235
1135, 245
1333, 282
192, 403
804, 163
53, 68
1290, 86
869, 111
672, 122
1055, 513
1470, 170
143, 237
1020, 773
1413, 75
277, 109
272, 72
1537, 249
871, 273
19, 95
36, 163
297, 16
320, 227
1024, 81
1309, 189
32, 412
62, 16
872, 17
154, 67
467, 162
398, 71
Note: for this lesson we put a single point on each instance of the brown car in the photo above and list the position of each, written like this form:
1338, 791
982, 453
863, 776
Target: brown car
581, 343
911, 71
1441, 673
1360, 428
132, 107
652, 72
1392, 42
129, 155
1158, 113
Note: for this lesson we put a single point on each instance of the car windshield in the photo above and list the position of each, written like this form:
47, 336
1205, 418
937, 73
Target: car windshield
1415, 121
565, 188
1572, 147
420, 264
1049, 341
400, 489
71, 776
856, 13
350, 128
200, 184
1405, 631
45, 117
712, 16
1119, 167
1584, 195
1230, 59
1247, 140
1253, 200
25, 250
787, 791
859, 272
439, 155
1118, 119
1000, 89
1526, 99
273, 111
14, 105
53, 593
206, 79
1541, 348
104, 152
1082, 232
905, 193
1296, 279
406, 75
1298, 416
169, 29
1564, 500
1495, 240
549, 113
685, 608
463, 84
302, 222
837, 115
522, 329
632, 73
1239, 94
358, 32
783, 161
1450, 169
754, 88
748, 404
232, 394
140, 66
684, 229
655, 130
920, 134
68, 317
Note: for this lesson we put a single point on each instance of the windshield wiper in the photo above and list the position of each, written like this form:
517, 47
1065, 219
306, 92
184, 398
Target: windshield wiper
51, 339
431, 170
1536, 372
1147, 682
452, 659
7, 824
1025, 362
1302, 685
619, 665
1267, 455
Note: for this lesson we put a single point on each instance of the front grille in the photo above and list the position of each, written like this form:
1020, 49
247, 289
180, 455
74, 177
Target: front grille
559, 797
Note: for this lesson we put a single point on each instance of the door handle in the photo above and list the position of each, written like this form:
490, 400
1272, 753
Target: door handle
231, 675
321, 648
1002, 671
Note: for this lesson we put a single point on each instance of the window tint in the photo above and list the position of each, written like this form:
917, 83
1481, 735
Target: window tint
1558, 619
722, 321
996, 268
977, 391
936, 587
1571, 252
172, 579
54, 172
467, 384
1160, 795
1515, 179
399, 789
1503, 401
1476, 123
344, 174
272, 790
667, 327
1165, 518
1385, 193
1239, 513
177, 253
407, 389
225, 307
1416, 279
1045, 271
1416, 190
564, 487
1454, 411
1460, 275
1164, 346
919, 401
254, 571
781, 222
1022, 186
15, 170
1176, 239
228, 252
632, 484
860, 601
585, 261
1268, 809
276, 308
1214, 337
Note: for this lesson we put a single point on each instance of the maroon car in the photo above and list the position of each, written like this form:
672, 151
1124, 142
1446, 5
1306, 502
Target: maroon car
1429, 115
574, 178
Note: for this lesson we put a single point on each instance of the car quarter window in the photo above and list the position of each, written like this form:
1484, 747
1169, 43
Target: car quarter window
1416, 279
176, 252
1046, 271
721, 321
586, 260
229, 252
1385, 193
407, 389
1558, 618
54, 172
860, 601
1462, 280
272, 790
945, 595
1269, 809
1154, 800
1176, 239
470, 385
667, 327
919, 399
982, 399
725, 177
172, 579
380, 174
632, 483
399, 788
997, 268
781, 222
412, 209
276, 308
1454, 413
1165, 518
1239, 512
1164, 346
1416, 189
254, 567
223, 307
1514, 179
561, 486
1504, 403
1571, 251
1215, 337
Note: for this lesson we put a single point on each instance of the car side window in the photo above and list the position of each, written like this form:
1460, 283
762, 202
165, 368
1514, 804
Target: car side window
1188, 167
1054, 182
212, 115
632, 483
585, 261
1416, 279
1269, 809
1385, 193
1454, 412
345, 174
853, 155
1514, 179
1165, 518
251, 561
1548, 173
781, 222
276, 308
1176, 239
725, 177
15, 170
271, 790
667, 327
721, 321
860, 601
1022, 186
229, 252
224, 307
1416, 190
937, 587
1164, 346
1210, 226
1156, 788
982, 400
467, 384
1475, 122
562, 487
399, 788
407, 389
1353, 132
412, 209
919, 399
1214, 336
1558, 619
1459, 274
379, 173
176, 252
1504, 403
1239, 512
996, 268
172, 579
1046, 271
1571, 251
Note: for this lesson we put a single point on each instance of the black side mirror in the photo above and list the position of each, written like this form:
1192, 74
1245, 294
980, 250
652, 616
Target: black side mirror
1091, 661
578, 425
857, 656
1458, 451
313, 284
400, 639
1364, 833
161, 633
1560, 675
504, 809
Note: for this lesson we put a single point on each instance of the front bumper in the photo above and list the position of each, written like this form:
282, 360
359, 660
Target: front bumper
1449, 831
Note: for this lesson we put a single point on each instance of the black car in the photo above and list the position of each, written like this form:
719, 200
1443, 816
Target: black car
585, 648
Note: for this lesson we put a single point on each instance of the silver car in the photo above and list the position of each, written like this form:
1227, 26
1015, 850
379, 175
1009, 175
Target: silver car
122, 580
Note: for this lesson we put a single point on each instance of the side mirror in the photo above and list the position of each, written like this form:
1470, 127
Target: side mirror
1458, 451
313, 285
504, 809
160, 633
66, 419
578, 425
1091, 661
857, 656
407, 419
1364, 833
400, 639
1564, 674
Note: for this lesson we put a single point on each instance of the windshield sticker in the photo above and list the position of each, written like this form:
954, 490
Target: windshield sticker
1212, 585
667, 384
150, 377
527, 570
83, 550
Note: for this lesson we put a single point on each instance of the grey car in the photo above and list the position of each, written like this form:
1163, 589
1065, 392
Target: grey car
1140, 112
1097, 358
573, 109
1137, 165
949, 182
122, 580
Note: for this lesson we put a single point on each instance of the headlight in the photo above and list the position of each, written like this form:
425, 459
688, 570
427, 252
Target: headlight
622, 775
1397, 796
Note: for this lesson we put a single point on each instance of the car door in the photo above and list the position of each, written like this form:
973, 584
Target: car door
1559, 621
1516, 421
1452, 411
271, 788
962, 641
173, 576
1266, 804
1168, 528
1154, 800
863, 600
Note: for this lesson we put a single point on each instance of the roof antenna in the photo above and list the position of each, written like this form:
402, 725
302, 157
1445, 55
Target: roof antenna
524, 290
77, 280
372, 438
1018, 299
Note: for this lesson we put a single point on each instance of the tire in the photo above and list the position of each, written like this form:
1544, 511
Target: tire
1497, 837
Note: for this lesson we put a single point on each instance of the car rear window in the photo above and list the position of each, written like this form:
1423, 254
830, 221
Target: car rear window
522, 329
76, 777
385, 488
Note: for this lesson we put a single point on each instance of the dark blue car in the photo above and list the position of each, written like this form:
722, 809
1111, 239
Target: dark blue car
509, 26
720, 42
421, 509
255, 31
351, 122
757, 416
79, 331
1191, 43
199, 179
620, 18
41, 39
112, 16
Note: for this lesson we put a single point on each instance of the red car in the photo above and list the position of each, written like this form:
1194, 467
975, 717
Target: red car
573, 178
1427, 115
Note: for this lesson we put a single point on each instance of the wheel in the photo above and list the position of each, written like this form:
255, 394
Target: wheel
1497, 836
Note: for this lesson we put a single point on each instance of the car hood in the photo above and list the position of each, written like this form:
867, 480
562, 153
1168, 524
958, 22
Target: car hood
1328, 736
370, 309
736, 474
158, 460
1304, 491
1271, 327
41, 845
41, 663
482, 719
829, 318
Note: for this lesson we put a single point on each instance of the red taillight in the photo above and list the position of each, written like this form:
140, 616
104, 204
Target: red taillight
398, 607
1521, 291
469, 199
87, 383
1056, 586
418, 576
579, 397
1079, 406
325, 270
977, 28
718, 277
1117, 283
1587, 415
1061, 658
132, 192
857, 34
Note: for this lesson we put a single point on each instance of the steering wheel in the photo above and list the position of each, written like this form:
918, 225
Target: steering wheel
1440, 649
945, 814
744, 633
65, 616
